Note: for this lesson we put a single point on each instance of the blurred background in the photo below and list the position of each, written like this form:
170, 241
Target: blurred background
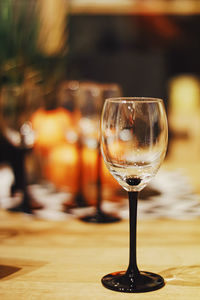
60, 59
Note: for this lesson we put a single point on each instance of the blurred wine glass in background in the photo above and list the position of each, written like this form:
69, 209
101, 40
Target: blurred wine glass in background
68, 99
17, 104
90, 102
110, 90
34, 40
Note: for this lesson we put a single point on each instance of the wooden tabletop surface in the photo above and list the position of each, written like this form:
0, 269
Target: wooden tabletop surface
66, 260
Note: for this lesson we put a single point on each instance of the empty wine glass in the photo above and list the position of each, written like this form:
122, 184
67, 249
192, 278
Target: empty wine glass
67, 99
89, 103
91, 99
134, 137
17, 104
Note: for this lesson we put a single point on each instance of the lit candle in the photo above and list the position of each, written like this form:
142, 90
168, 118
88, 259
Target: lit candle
184, 106
50, 127
61, 166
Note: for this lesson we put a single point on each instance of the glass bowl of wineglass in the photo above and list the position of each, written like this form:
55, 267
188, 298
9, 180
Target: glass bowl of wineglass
134, 137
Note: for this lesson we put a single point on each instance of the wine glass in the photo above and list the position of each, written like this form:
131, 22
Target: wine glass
67, 99
91, 99
17, 104
89, 104
134, 135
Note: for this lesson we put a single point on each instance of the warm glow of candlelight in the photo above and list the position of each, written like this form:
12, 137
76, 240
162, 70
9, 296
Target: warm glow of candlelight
60, 158
90, 168
61, 167
184, 94
184, 106
50, 128
89, 157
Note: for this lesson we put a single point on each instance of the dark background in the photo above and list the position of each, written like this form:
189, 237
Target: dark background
141, 53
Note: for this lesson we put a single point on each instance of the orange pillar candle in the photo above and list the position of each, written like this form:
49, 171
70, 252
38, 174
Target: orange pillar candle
61, 166
50, 127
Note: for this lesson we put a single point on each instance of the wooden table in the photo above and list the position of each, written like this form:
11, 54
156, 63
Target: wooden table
66, 260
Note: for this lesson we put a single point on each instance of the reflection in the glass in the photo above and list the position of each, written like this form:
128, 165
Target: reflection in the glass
133, 143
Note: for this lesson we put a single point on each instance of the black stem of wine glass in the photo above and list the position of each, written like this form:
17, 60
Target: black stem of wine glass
79, 197
132, 280
21, 177
99, 183
133, 270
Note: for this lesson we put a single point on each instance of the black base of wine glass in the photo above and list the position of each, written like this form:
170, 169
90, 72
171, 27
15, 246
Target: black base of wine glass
27, 205
80, 200
143, 282
100, 217
22, 208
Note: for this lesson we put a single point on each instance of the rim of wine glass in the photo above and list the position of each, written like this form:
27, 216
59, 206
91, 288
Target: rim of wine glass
134, 99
